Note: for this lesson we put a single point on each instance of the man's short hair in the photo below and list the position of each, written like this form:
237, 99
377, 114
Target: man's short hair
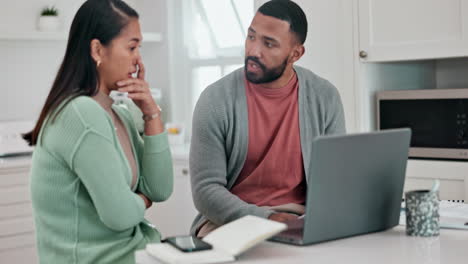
290, 12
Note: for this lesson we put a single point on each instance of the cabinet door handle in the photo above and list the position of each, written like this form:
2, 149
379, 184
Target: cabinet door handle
363, 54
184, 172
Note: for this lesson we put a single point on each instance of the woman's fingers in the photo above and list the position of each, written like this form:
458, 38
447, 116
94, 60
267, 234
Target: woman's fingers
133, 85
141, 70
134, 88
130, 81
138, 90
137, 96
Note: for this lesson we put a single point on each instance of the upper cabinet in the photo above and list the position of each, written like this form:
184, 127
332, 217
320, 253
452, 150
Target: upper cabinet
400, 30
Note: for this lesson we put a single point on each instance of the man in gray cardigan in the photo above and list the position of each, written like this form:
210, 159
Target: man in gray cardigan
241, 161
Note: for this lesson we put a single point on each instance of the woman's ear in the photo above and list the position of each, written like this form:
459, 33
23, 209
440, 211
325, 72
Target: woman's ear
96, 51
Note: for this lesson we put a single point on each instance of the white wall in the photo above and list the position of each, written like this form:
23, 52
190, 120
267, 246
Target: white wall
376, 77
329, 47
154, 18
21, 15
27, 68
452, 73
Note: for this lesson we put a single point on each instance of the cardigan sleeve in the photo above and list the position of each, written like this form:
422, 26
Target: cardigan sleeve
156, 176
154, 158
208, 166
93, 160
335, 119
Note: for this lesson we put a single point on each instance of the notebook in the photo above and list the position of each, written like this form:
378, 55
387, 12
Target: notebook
228, 241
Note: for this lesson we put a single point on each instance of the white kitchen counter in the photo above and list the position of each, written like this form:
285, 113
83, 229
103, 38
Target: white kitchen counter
389, 247
15, 161
179, 152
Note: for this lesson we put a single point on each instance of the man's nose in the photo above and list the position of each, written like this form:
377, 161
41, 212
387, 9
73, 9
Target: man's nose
254, 50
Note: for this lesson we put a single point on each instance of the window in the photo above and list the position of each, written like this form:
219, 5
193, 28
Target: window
216, 32
207, 42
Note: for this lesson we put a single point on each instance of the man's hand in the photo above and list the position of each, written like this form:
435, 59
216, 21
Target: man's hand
282, 217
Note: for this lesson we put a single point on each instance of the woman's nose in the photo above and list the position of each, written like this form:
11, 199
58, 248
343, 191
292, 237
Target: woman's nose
136, 59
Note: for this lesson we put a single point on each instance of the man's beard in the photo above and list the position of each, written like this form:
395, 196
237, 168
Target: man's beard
269, 75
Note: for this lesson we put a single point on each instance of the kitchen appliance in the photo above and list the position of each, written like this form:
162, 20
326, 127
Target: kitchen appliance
438, 119
11, 141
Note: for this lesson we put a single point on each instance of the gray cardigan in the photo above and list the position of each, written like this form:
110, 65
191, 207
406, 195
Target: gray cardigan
220, 140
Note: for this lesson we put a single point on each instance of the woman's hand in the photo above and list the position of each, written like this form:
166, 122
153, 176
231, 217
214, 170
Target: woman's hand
139, 91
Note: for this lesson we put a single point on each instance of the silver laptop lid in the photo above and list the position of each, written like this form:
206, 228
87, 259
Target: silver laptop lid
355, 184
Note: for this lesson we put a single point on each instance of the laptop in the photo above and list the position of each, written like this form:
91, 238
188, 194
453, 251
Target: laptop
355, 186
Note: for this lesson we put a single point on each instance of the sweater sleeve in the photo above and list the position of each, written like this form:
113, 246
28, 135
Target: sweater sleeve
335, 120
93, 161
156, 176
208, 167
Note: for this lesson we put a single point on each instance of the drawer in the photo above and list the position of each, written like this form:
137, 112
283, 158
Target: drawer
449, 189
15, 226
12, 177
15, 194
16, 210
17, 241
20, 255
181, 172
181, 168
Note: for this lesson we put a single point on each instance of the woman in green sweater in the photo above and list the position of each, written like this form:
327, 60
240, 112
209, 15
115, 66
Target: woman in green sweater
93, 176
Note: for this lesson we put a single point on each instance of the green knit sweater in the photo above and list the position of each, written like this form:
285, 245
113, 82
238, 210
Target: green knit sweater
84, 208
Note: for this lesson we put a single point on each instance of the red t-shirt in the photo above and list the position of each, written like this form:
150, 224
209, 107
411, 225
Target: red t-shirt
273, 172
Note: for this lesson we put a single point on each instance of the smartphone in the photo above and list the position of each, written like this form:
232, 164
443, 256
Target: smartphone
188, 243
135, 74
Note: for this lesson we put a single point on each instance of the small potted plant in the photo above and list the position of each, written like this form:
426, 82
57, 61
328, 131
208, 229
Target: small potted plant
48, 21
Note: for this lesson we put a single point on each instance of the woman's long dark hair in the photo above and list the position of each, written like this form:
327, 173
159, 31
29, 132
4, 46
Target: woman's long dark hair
77, 75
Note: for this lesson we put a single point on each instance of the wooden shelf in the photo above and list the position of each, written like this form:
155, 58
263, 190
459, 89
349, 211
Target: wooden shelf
62, 36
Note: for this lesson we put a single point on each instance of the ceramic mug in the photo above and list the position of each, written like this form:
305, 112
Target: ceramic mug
422, 212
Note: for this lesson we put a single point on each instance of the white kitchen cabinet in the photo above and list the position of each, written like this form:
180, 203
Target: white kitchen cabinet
412, 29
405, 45
175, 216
17, 238
420, 174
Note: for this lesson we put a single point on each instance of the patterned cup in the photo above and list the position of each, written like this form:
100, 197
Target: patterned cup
422, 213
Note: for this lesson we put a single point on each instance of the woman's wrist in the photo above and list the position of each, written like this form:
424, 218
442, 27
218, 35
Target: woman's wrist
153, 127
153, 123
153, 114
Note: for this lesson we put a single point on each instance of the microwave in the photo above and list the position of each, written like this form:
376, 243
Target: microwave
438, 119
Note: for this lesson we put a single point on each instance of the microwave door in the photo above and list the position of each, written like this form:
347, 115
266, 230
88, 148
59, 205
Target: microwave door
439, 126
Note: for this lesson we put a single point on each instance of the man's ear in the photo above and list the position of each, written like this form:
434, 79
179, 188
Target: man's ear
297, 53
96, 50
